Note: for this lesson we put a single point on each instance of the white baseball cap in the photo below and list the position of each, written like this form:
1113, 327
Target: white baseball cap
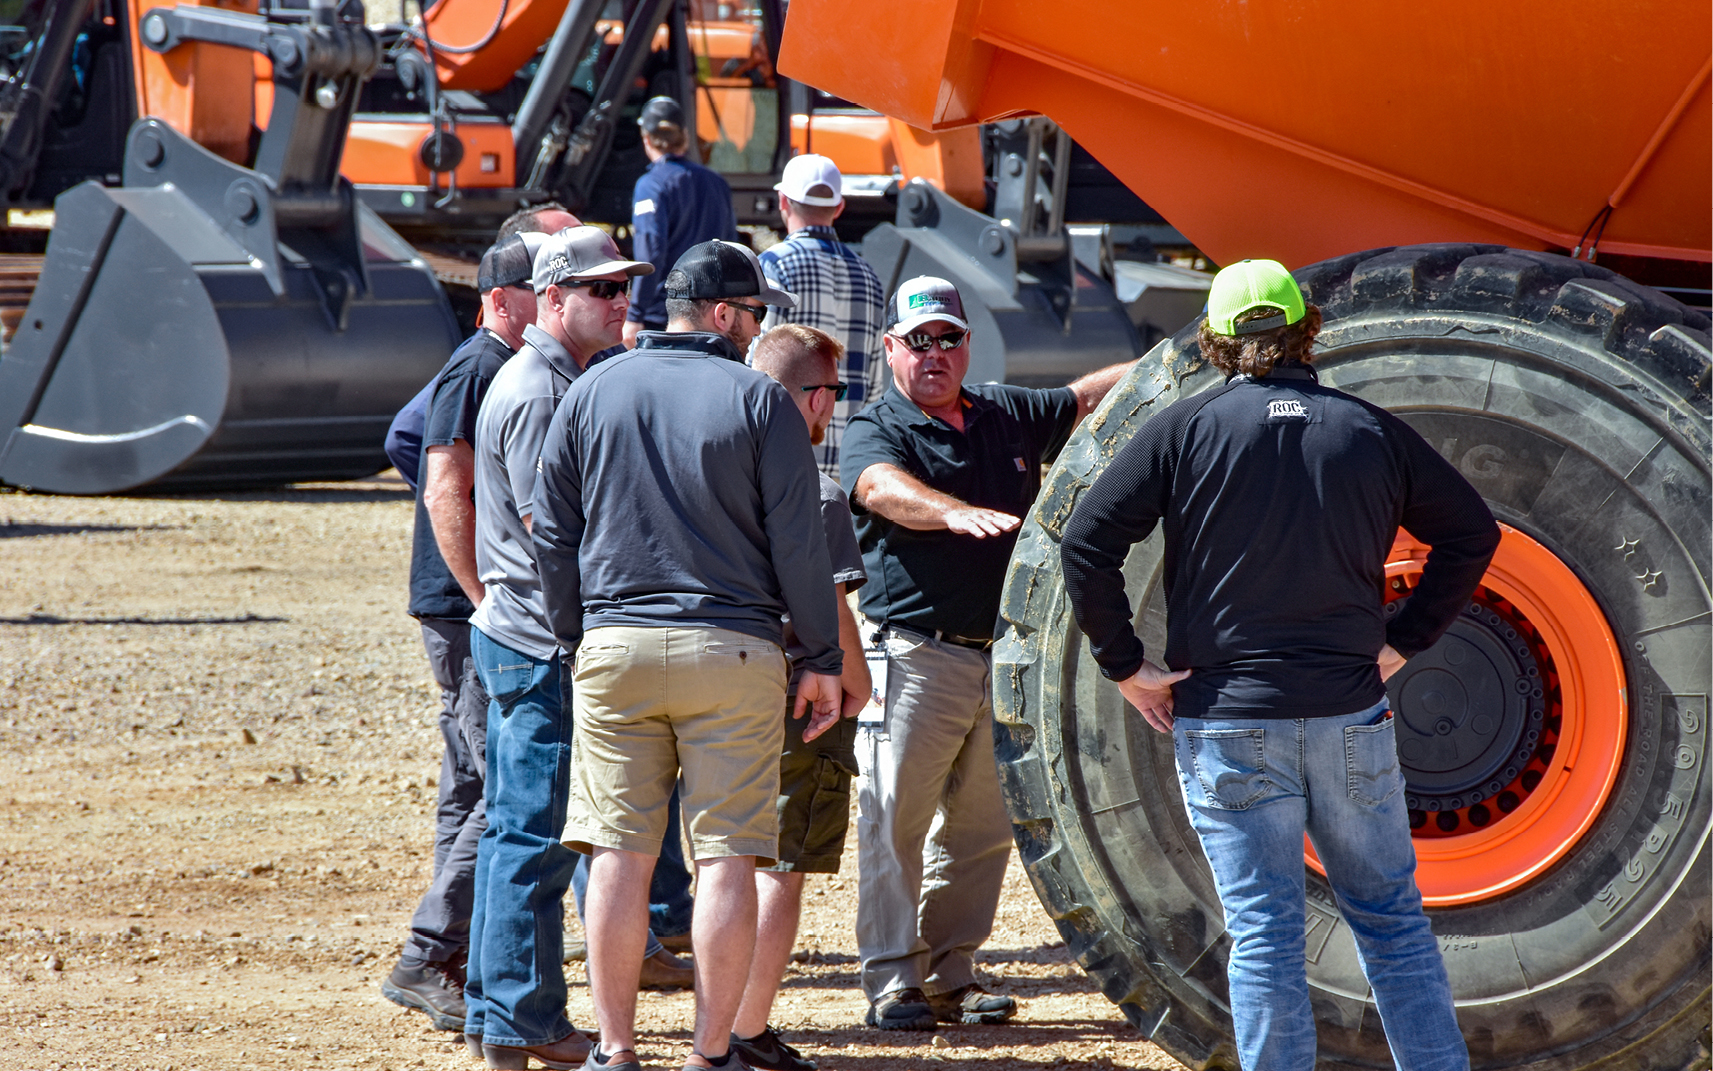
803, 173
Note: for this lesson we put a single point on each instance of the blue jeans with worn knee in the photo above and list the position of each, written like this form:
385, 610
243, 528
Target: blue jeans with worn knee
1253, 787
515, 993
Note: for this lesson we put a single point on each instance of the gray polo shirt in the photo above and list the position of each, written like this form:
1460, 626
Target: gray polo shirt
510, 428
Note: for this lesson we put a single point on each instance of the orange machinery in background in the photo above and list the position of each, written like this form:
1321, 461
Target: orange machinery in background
1300, 131
1502, 212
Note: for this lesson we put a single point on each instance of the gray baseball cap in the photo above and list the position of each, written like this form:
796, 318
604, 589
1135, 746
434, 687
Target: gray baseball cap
581, 253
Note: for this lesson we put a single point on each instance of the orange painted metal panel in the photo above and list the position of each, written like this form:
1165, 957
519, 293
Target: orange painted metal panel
859, 144
507, 42
1352, 124
200, 90
388, 154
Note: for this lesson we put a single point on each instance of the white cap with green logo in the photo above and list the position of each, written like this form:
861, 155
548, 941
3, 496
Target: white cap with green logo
924, 299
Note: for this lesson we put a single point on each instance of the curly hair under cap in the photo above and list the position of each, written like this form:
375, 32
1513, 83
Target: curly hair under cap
1258, 354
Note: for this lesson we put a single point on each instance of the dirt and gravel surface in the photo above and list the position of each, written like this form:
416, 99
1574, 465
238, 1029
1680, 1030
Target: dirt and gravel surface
217, 763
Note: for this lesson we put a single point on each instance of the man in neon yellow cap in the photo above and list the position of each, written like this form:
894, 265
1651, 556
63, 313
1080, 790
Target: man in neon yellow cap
1279, 499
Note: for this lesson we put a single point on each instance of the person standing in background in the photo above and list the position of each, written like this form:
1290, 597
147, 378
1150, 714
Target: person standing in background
837, 291
678, 203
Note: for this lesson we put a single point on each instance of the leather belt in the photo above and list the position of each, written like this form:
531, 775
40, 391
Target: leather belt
943, 637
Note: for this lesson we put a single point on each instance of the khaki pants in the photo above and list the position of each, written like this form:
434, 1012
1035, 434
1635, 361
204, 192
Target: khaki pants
933, 836
654, 704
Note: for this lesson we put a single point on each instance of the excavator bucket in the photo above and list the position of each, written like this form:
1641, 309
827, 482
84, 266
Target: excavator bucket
210, 325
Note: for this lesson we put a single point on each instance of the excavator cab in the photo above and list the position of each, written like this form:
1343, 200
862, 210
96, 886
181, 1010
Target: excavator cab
215, 307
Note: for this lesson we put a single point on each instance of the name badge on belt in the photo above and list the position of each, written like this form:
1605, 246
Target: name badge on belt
873, 714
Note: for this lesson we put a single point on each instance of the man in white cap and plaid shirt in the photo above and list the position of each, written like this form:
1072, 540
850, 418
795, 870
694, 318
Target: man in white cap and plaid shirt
837, 292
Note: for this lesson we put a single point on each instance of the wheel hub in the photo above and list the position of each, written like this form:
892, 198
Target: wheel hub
1469, 711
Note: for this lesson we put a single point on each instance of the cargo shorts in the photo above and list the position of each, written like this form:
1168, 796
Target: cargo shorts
814, 794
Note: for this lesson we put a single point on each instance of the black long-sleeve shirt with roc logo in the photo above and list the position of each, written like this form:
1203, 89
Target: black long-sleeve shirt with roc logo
1278, 499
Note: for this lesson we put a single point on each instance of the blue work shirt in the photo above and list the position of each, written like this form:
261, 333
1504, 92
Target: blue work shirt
678, 204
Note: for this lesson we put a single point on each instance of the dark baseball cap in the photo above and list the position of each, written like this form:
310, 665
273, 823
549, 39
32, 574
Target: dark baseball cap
658, 112
718, 270
509, 262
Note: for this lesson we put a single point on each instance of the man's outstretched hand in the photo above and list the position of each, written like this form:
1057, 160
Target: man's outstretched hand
1149, 690
979, 522
821, 691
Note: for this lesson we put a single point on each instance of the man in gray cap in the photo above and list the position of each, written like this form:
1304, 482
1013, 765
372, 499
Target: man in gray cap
677, 204
681, 676
515, 989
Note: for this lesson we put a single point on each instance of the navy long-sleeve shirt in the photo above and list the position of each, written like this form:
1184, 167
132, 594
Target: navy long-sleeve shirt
676, 487
678, 203
1279, 500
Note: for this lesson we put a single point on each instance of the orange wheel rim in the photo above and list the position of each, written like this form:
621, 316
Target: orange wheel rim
1484, 849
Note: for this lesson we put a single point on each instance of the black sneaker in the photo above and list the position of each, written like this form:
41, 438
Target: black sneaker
433, 989
973, 1006
604, 1061
767, 1051
901, 1009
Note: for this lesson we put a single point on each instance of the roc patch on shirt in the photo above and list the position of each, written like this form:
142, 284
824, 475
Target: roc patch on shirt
1291, 409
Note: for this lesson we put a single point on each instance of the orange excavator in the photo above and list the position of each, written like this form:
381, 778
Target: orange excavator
1502, 212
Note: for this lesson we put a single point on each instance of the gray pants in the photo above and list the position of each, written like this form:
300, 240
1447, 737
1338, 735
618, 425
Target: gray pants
440, 929
933, 837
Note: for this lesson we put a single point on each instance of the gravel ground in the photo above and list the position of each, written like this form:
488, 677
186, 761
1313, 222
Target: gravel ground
220, 751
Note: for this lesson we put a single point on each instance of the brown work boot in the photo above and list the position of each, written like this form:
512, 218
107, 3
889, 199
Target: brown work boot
663, 970
568, 1052
435, 989
973, 1006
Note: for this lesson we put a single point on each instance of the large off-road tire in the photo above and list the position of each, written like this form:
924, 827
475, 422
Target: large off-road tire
1566, 863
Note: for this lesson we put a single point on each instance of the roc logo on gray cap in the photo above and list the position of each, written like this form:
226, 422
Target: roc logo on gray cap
581, 253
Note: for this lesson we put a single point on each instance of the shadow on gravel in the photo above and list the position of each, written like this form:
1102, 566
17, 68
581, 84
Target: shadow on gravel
10, 530
52, 619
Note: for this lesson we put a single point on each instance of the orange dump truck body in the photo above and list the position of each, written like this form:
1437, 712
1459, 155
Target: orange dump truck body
1304, 129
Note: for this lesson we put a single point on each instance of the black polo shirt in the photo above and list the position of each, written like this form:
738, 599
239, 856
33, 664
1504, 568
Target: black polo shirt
451, 416
939, 580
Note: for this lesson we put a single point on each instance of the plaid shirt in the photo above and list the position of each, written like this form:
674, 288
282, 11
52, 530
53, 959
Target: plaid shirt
839, 293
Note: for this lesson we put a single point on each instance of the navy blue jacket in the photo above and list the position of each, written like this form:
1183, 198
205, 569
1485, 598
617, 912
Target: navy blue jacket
678, 204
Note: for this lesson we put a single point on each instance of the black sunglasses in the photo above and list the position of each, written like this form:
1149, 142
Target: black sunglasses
839, 389
600, 289
757, 311
922, 342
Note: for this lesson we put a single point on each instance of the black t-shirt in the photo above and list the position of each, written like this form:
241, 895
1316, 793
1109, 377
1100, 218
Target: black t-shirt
434, 591
939, 580
1278, 499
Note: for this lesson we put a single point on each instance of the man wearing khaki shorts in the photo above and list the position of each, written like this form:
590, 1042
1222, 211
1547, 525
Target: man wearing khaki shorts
676, 523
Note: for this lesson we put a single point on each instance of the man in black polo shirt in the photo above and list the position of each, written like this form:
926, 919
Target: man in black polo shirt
444, 591
939, 475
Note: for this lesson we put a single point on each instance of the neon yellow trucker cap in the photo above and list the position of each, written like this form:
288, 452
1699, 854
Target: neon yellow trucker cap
1253, 284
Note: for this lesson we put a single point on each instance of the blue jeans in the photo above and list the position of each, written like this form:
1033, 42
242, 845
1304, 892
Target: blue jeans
515, 993
1253, 787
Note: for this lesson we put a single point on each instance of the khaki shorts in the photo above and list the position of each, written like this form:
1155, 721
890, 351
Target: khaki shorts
652, 705
814, 795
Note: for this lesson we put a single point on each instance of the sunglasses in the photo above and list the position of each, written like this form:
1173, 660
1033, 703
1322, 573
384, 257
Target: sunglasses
922, 342
839, 389
757, 311
600, 289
